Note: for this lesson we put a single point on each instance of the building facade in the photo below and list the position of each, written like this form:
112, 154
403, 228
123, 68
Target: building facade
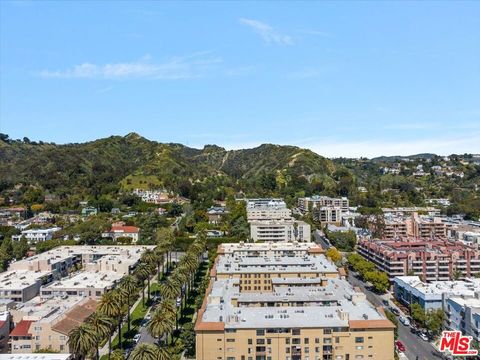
267, 306
429, 259
280, 230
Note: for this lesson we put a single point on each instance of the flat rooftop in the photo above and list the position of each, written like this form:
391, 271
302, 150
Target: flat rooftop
35, 356
219, 308
229, 248
85, 279
465, 287
278, 264
62, 253
333, 292
19, 279
46, 310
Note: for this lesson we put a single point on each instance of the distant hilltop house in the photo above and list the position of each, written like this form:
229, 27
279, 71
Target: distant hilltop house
37, 235
216, 213
154, 196
87, 211
118, 231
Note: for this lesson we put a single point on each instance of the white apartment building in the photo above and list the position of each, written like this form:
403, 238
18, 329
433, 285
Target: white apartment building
306, 204
267, 209
463, 313
282, 230
36, 235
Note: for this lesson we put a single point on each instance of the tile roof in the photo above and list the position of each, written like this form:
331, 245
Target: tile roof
22, 328
75, 317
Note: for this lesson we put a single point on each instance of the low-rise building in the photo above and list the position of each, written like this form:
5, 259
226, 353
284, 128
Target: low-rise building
118, 231
280, 230
87, 211
45, 324
430, 259
36, 235
216, 214
412, 290
85, 284
22, 285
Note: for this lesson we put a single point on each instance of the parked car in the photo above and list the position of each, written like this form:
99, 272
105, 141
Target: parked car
148, 317
423, 336
400, 346
404, 321
394, 310
136, 338
385, 302
179, 301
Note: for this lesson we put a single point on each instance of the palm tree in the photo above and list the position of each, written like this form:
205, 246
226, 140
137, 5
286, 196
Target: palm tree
161, 322
82, 340
128, 287
143, 272
111, 305
159, 259
145, 351
117, 355
170, 290
103, 327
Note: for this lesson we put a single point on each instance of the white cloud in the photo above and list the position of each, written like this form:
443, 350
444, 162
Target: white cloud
188, 67
267, 32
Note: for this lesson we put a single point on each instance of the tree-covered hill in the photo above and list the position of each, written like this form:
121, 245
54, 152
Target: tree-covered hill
117, 163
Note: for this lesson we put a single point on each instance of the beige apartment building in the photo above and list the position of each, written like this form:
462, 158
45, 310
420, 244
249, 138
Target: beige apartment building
45, 324
287, 308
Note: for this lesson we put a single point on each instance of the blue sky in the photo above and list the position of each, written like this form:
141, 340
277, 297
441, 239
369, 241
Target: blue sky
340, 78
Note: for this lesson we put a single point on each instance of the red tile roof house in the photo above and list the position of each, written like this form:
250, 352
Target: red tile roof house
118, 231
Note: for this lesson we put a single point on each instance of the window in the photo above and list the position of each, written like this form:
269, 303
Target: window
296, 341
260, 341
250, 341
230, 357
327, 331
230, 340
261, 332
295, 331
359, 347
305, 341
359, 340
317, 340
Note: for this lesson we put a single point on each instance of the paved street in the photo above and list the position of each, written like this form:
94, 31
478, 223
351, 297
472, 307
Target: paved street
320, 239
414, 346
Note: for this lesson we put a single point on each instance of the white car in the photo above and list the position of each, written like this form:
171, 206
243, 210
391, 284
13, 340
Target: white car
136, 338
423, 336
404, 321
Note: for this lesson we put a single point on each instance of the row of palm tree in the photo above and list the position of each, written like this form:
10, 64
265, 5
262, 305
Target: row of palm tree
84, 341
178, 285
